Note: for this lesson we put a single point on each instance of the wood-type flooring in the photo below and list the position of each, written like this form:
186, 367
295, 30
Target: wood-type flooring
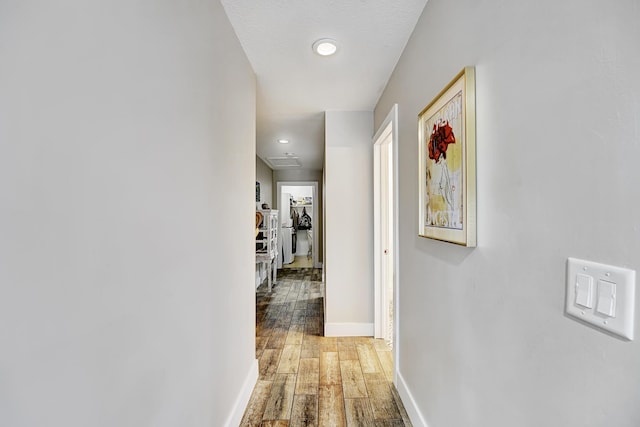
307, 379
299, 261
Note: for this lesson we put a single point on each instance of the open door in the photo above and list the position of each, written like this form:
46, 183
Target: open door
385, 229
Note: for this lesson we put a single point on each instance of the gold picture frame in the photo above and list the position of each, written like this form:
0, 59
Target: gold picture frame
447, 163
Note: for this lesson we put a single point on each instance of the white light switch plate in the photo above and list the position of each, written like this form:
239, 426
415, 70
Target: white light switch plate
622, 321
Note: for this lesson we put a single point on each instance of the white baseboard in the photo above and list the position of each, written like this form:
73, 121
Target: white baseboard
242, 400
348, 329
409, 403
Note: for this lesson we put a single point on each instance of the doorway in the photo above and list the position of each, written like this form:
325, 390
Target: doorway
385, 230
298, 207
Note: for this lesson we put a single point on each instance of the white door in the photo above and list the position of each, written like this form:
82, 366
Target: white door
384, 233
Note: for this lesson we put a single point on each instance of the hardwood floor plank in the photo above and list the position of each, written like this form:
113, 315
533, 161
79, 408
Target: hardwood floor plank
279, 297
308, 376
280, 399
260, 313
348, 355
299, 317
275, 423
293, 294
368, 358
285, 320
331, 406
381, 397
376, 376
312, 339
385, 409
401, 408
253, 414
386, 361
277, 339
295, 334
289, 360
310, 350
265, 328
314, 308
381, 345
388, 423
358, 412
329, 344
379, 390
268, 363
344, 344
301, 304
352, 379
290, 306
305, 411
261, 343
274, 310
329, 368
313, 325
316, 296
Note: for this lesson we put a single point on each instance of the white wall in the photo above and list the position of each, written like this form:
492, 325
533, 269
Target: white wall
264, 175
119, 271
349, 223
298, 191
483, 339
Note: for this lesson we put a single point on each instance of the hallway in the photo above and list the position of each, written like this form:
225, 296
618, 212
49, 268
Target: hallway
307, 379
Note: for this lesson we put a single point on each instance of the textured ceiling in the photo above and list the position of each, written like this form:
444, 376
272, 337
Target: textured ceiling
295, 85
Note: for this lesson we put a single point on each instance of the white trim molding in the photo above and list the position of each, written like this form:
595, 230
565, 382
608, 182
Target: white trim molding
409, 403
348, 330
242, 400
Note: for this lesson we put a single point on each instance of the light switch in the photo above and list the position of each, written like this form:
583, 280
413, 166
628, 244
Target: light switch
584, 290
601, 295
606, 298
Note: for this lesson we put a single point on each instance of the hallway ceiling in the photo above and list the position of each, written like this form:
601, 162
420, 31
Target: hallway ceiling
295, 86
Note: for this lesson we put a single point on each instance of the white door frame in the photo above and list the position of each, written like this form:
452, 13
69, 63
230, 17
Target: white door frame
314, 215
388, 128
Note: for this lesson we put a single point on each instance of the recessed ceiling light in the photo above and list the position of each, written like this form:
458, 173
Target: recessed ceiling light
325, 47
283, 141
289, 153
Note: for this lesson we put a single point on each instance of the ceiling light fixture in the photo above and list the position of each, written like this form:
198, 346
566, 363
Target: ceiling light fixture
325, 47
283, 141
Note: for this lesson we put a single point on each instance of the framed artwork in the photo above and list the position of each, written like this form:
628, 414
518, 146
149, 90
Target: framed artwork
447, 156
257, 191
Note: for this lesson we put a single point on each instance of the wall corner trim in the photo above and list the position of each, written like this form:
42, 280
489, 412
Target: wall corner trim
242, 400
348, 330
409, 403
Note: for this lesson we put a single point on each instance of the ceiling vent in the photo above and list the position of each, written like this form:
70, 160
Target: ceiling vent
283, 162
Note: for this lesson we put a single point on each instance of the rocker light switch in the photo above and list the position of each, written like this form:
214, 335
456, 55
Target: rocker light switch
603, 296
584, 290
606, 298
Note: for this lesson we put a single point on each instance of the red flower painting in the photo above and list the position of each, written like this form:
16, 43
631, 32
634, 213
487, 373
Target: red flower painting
441, 136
